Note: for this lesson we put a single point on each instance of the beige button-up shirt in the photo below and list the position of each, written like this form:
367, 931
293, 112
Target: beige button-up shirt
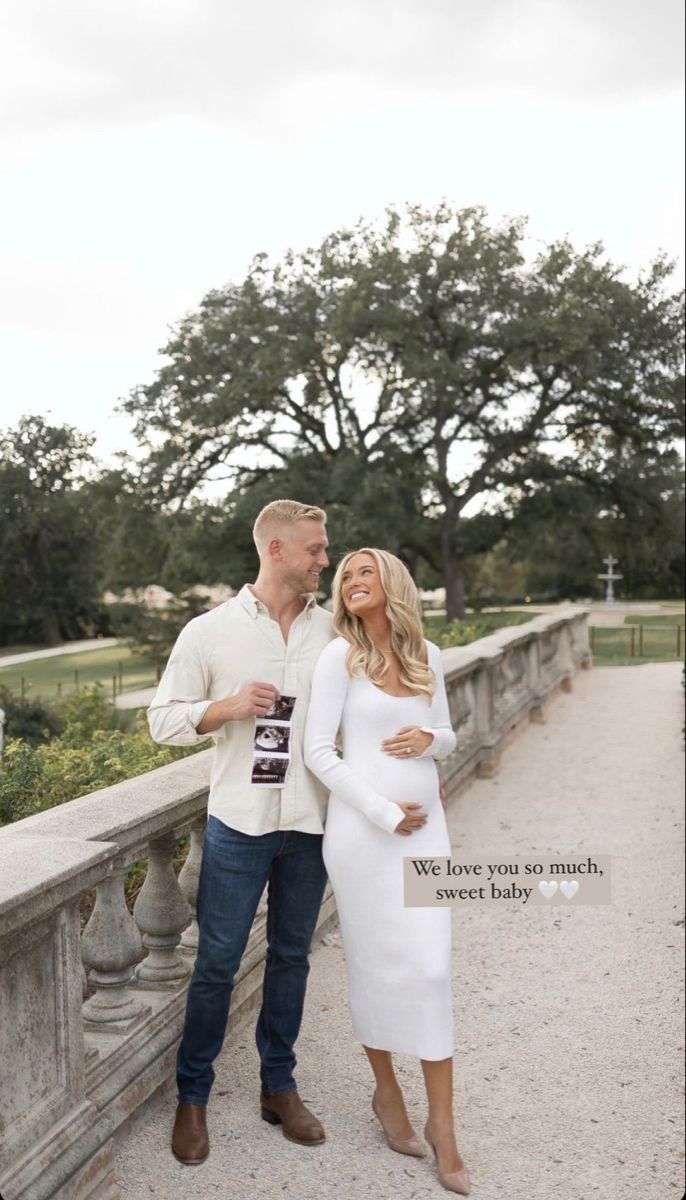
214, 657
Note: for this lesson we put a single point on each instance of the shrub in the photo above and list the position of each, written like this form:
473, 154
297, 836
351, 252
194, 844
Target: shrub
83, 713
91, 752
28, 719
457, 633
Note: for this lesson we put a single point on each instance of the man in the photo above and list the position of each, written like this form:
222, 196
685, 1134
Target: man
227, 668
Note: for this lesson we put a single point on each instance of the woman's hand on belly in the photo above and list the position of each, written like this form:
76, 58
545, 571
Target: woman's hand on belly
415, 818
408, 742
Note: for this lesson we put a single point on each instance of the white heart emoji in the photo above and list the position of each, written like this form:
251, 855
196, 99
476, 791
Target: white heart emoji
547, 888
569, 887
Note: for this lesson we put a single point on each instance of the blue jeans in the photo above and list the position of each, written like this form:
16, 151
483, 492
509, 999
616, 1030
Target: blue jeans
234, 871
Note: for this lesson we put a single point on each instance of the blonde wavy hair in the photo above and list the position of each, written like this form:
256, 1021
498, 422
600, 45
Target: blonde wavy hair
404, 613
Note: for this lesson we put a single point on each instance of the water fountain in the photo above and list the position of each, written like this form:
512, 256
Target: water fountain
610, 577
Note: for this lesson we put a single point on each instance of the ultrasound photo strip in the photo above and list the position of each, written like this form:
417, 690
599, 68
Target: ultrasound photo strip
281, 709
272, 744
269, 770
272, 737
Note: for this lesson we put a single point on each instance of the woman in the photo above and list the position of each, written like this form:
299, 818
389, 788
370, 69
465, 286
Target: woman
382, 685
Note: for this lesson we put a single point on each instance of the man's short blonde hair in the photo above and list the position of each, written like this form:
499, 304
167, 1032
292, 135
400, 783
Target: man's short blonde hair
277, 518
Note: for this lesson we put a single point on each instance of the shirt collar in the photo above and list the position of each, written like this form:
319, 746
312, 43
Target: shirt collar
254, 606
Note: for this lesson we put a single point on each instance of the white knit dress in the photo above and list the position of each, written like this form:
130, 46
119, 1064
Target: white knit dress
398, 959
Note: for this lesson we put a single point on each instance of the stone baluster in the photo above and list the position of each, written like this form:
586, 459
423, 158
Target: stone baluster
162, 913
489, 735
189, 876
533, 666
533, 670
579, 634
565, 657
110, 946
462, 702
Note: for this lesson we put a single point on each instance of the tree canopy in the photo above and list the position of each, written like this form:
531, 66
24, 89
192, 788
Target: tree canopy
425, 364
49, 549
497, 417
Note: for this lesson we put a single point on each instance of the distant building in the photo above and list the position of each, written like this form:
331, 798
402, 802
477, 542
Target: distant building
157, 599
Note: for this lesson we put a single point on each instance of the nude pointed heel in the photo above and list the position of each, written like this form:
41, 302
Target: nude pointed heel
454, 1181
411, 1145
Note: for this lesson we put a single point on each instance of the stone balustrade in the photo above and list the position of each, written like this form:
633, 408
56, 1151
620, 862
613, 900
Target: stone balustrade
81, 1055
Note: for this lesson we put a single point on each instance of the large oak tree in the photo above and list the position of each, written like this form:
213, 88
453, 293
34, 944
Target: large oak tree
428, 358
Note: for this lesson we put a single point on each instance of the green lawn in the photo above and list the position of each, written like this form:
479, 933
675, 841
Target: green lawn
611, 646
667, 603
654, 618
484, 623
8, 651
44, 677
489, 621
620, 646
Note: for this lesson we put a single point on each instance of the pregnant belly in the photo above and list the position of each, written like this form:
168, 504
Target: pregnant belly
400, 782
354, 849
397, 779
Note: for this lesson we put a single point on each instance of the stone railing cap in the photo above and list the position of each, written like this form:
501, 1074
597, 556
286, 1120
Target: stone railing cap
491, 646
129, 811
33, 870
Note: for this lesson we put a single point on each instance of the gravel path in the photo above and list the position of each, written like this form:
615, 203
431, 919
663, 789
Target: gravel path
15, 660
569, 1021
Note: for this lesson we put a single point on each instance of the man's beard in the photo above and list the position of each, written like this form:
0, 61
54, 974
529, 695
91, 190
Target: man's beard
301, 581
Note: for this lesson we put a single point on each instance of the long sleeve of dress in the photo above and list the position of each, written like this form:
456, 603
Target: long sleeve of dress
329, 689
444, 735
180, 702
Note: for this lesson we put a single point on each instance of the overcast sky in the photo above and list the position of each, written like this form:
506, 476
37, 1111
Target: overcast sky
149, 148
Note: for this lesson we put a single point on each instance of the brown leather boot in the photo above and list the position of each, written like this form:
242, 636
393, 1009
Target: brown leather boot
288, 1110
190, 1142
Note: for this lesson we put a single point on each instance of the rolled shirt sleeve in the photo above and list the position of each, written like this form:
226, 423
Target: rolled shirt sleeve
180, 702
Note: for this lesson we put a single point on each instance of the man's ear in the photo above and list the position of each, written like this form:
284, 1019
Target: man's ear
274, 548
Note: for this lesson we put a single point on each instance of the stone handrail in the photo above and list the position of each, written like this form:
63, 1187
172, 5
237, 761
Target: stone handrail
80, 1055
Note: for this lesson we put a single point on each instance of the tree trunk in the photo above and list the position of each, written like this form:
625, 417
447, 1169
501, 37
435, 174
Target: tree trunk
454, 588
52, 633
409, 555
453, 575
